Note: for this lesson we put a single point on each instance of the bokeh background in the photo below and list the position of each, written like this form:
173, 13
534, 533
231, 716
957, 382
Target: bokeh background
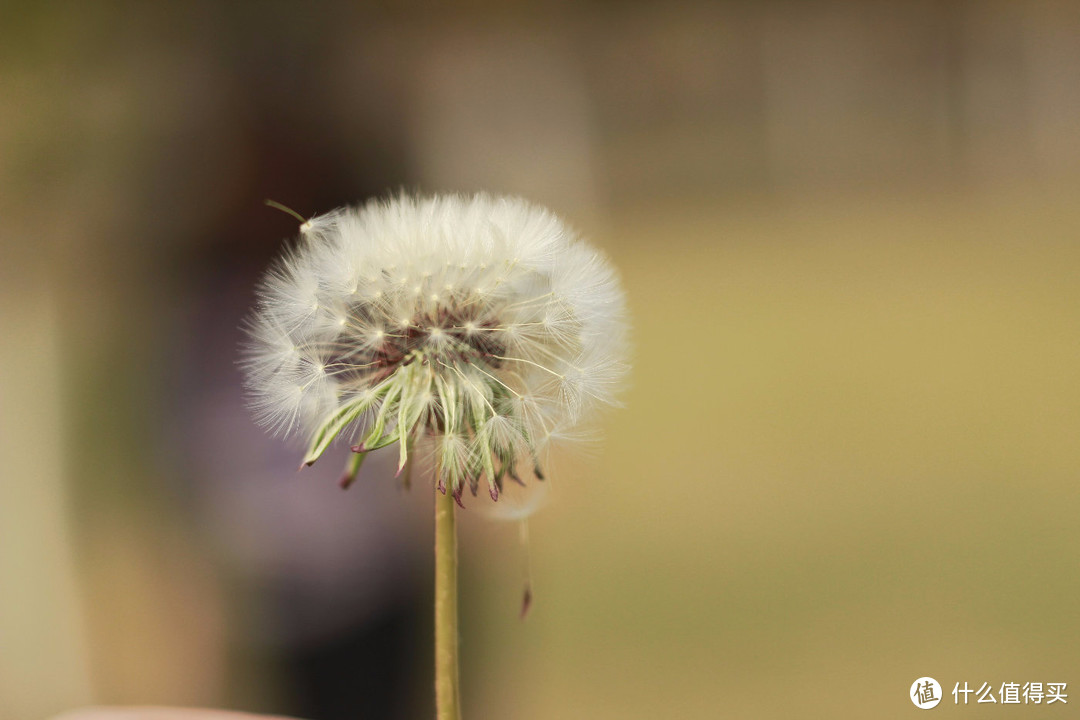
850, 237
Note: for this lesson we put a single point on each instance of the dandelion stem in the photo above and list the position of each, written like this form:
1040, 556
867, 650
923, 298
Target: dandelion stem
447, 690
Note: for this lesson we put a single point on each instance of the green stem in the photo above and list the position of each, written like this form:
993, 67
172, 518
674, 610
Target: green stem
447, 692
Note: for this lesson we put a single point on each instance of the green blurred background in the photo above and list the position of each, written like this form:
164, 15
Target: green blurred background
850, 237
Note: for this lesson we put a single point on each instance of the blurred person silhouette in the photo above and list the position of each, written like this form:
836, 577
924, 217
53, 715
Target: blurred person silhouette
331, 588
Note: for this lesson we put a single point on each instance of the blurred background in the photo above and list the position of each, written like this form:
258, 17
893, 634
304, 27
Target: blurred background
850, 237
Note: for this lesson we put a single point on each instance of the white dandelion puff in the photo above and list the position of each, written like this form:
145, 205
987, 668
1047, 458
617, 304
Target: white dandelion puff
474, 329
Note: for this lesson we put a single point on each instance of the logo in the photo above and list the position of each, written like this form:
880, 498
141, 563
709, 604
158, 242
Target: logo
925, 693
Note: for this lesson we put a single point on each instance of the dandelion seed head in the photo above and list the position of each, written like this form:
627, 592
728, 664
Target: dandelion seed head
480, 328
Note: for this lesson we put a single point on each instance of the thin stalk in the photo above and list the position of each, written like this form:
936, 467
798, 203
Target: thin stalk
447, 688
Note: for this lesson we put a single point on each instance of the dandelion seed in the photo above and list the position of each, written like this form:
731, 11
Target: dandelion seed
471, 330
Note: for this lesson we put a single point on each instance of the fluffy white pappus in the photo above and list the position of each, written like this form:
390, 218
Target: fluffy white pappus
480, 327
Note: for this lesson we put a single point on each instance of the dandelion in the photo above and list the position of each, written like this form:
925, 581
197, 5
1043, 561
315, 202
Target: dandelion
476, 330
472, 331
